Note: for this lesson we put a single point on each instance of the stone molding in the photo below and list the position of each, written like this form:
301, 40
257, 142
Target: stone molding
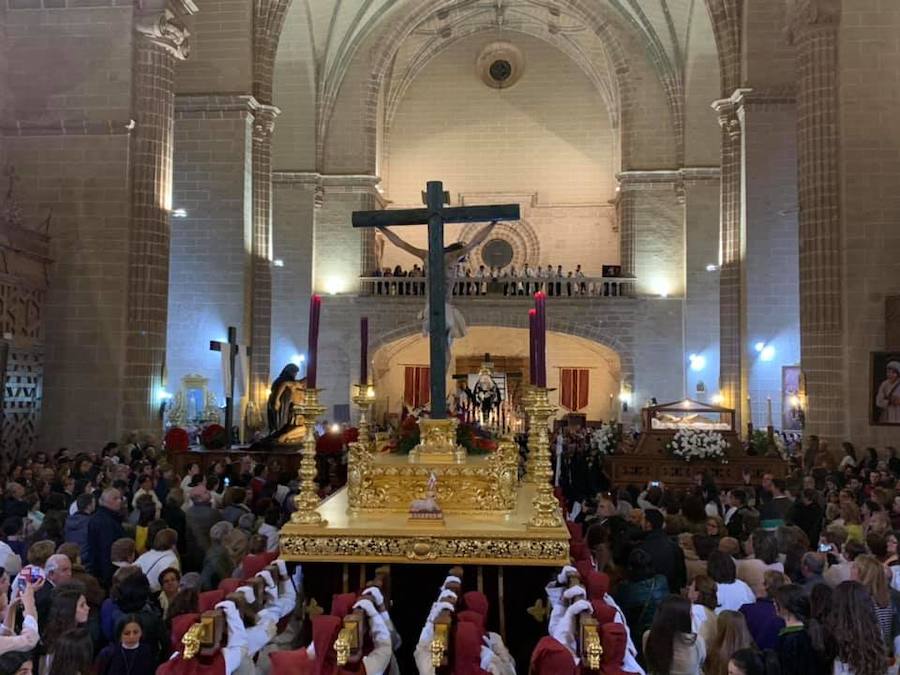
166, 28
264, 122
805, 15
69, 128
196, 105
729, 119
663, 179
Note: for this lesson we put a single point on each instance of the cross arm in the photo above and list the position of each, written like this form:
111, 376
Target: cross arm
216, 346
455, 214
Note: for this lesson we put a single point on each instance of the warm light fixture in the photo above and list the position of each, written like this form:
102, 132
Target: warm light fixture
333, 285
624, 397
370, 392
795, 401
718, 399
335, 428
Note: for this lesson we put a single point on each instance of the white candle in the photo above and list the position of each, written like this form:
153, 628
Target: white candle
769, 411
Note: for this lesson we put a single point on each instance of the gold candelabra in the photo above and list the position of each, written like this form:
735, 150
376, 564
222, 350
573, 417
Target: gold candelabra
527, 401
308, 498
540, 411
364, 399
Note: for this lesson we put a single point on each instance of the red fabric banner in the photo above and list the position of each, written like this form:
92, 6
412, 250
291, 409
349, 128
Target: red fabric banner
417, 386
574, 385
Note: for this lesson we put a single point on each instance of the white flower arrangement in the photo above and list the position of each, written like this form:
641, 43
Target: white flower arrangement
604, 439
691, 444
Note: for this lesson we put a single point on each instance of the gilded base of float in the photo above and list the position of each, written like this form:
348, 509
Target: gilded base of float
383, 483
389, 537
438, 444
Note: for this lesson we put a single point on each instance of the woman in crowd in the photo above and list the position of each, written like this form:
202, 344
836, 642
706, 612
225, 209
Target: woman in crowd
731, 635
794, 647
670, 645
28, 637
168, 580
640, 595
850, 627
128, 654
763, 621
163, 555
73, 654
702, 594
732, 593
871, 574
69, 610
747, 661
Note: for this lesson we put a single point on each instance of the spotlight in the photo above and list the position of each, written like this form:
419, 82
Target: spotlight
759, 346
698, 362
297, 359
711, 267
333, 285
164, 396
718, 399
179, 213
335, 428
767, 353
278, 262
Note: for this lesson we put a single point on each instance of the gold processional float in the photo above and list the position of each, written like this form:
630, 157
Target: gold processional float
437, 505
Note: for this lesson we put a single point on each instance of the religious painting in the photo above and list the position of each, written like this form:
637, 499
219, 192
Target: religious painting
792, 392
885, 388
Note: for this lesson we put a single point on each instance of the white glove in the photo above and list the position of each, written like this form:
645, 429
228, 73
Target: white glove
282, 568
575, 592
379, 630
267, 575
375, 592
567, 571
248, 594
447, 594
366, 605
437, 608
451, 580
486, 657
563, 632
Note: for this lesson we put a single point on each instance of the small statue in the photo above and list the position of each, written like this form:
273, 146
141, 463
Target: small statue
487, 394
286, 396
427, 508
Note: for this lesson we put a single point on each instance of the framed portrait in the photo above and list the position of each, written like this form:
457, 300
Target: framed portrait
885, 388
792, 392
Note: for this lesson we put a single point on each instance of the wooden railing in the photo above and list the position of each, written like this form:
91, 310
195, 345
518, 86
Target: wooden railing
584, 287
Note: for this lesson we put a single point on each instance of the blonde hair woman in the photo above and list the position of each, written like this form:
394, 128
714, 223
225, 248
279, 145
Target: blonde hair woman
731, 635
868, 571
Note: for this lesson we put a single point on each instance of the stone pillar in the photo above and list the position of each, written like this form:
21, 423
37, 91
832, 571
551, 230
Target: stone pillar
261, 256
732, 385
626, 215
160, 40
814, 29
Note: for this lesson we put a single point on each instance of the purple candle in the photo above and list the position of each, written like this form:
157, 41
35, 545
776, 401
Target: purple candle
364, 350
541, 331
315, 305
532, 345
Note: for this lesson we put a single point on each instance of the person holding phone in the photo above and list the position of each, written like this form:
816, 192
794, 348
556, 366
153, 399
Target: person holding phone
23, 596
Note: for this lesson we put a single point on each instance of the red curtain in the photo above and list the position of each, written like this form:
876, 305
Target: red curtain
417, 386
574, 388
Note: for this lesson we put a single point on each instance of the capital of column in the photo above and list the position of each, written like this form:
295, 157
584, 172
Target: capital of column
164, 26
264, 122
729, 117
804, 15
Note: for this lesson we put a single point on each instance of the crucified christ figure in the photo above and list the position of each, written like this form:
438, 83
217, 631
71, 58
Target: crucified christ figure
456, 323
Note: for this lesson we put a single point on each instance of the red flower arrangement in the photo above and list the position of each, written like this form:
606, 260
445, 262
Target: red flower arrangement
213, 437
177, 440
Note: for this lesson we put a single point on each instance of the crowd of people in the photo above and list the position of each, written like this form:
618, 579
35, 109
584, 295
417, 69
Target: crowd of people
509, 281
109, 558
784, 576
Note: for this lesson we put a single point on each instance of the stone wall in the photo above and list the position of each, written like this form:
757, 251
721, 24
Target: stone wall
68, 105
869, 47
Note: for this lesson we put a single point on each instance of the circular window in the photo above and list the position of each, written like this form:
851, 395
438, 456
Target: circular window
497, 253
500, 70
500, 64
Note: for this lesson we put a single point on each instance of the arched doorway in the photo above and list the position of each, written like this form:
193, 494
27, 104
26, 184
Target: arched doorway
509, 347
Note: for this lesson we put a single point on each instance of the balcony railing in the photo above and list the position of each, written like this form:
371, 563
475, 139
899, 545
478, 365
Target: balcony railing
583, 287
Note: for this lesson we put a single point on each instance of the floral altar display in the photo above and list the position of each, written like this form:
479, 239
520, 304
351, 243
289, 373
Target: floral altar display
699, 444
605, 439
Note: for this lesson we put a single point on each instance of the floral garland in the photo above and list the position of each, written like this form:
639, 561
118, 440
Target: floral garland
691, 444
604, 439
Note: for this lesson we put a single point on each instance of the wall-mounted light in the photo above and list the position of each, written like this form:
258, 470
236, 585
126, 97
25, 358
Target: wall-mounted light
164, 396
661, 288
697, 361
334, 285
278, 262
711, 267
179, 213
718, 399
767, 353
759, 346
335, 428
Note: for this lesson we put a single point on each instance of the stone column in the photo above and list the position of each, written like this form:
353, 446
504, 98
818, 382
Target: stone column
625, 211
160, 39
814, 30
732, 384
261, 256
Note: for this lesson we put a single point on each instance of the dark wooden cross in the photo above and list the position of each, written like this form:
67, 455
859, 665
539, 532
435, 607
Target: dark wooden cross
435, 214
232, 346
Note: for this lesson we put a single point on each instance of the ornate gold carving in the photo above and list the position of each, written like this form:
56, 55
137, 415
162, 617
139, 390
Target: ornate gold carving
539, 611
438, 444
313, 609
539, 411
308, 499
363, 398
423, 549
439, 644
342, 645
477, 486
191, 641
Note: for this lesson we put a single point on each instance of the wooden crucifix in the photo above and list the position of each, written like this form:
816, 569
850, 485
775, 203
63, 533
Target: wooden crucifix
233, 347
440, 263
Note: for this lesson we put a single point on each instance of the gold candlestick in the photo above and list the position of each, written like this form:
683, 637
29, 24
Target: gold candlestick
546, 508
528, 398
364, 398
308, 498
